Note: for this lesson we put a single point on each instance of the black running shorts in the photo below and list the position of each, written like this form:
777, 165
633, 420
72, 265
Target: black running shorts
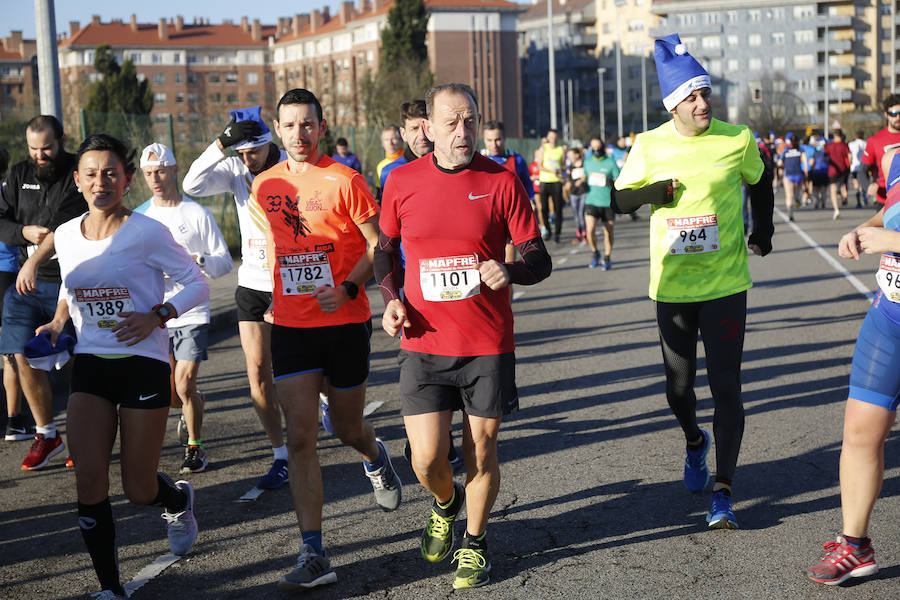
251, 304
340, 352
601, 213
482, 386
131, 381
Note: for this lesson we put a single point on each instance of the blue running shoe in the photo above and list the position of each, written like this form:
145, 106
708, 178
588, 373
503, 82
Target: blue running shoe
720, 515
607, 264
326, 418
595, 260
276, 477
696, 475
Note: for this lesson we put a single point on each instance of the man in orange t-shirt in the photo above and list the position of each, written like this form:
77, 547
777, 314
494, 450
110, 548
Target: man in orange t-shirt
319, 217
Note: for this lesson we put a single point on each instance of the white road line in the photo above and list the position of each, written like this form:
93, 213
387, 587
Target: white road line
573, 251
372, 407
150, 571
564, 260
517, 295
251, 495
831, 260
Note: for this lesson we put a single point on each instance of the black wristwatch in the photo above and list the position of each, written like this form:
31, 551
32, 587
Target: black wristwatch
352, 289
162, 311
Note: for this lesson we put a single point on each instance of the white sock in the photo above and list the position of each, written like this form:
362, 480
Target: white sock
280, 452
48, 430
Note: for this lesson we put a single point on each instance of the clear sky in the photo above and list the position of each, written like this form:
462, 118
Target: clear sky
19, 14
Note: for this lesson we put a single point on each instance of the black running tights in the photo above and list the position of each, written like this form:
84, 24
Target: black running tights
552, 191
721, 324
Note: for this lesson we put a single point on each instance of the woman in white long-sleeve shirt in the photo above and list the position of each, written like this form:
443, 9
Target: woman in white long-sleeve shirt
112, 263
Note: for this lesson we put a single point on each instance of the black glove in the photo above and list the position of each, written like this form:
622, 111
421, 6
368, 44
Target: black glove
763, 241
238, 131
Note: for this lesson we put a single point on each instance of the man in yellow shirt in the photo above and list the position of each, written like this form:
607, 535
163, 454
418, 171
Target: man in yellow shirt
552, 163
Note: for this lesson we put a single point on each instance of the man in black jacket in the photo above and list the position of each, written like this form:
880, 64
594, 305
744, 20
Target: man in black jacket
39, 194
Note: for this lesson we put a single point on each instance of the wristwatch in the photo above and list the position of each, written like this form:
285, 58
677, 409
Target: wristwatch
201, 260
352, 289
164, 313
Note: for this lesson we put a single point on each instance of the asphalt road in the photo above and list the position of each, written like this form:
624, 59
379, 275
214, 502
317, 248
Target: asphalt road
591, 505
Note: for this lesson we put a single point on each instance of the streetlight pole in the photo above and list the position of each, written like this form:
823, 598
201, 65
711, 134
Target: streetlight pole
825, 129
644, 87
600, 72
552, 64
619, 66
48, 60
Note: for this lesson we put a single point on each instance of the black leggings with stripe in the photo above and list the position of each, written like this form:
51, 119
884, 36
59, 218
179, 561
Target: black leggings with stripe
720, 323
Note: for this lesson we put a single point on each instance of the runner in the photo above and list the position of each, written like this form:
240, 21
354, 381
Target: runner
194, 227
857, 147
113, 264
392, 144
212, 173
877, 146
601, 171
837, 154
690, 169
318, 217
552, 158
577, 185
807, 146
344, 156
457, 345
793, 163
874, 392
412, 114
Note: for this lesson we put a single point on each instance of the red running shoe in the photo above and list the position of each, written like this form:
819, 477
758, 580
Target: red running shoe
42, 450
842, 561
70, 464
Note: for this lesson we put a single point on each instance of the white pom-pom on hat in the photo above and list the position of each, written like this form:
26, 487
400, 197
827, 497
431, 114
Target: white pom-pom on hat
680, 49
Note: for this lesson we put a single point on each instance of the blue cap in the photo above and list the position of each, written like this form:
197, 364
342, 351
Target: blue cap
679, 73
43, 355
252, 113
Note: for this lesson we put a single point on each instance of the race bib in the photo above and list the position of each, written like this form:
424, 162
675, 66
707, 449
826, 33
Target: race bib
257, 248
303, 273
692, 235
888, 277
100, 307
577, 173
449, 278
597, 180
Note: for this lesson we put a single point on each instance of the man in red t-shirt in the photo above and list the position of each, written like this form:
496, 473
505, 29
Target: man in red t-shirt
877, 146
457, 346
319, 217
838, 153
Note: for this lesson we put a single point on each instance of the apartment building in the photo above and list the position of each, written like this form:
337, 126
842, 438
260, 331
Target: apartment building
18, 74
470, 41
795, 54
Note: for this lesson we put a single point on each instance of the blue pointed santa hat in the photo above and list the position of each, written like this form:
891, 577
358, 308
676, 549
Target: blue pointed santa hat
679, 72
251, 113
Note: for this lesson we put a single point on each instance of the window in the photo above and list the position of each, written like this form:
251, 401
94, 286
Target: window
156, 59
215, 98
179, 77
804, 36
231, 77
754, 64
732, 64
732, 40
213, 78
252, 78
231, 98
711, 42
180, 117
754, 15
192, 98
159, 98
804, 12
253, 98
715, 66
159, 79
135, 58
778, 12
754, 39
779, 62
778, 38
179, 98
192, 77
636, 25
634, 72
731, 16
193, 58
804, 61
634, 95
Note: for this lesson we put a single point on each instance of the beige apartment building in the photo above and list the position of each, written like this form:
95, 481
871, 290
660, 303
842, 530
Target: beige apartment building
18, 74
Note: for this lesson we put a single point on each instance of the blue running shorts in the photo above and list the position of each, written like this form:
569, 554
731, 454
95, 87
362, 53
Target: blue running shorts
874, 376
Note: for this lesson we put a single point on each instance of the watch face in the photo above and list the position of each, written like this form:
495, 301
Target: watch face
164, 312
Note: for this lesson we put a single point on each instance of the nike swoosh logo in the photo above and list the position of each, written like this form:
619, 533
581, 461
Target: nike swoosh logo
471, 197
17, 429
142, 398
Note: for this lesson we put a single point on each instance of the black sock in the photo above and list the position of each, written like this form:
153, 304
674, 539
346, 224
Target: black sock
698, 444
453, 507
857, 542
169, 496
475, 542
99, 532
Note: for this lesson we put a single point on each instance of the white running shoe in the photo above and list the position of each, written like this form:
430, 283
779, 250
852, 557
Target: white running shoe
182, 526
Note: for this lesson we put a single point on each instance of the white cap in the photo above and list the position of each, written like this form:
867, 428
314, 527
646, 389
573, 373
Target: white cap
164, 156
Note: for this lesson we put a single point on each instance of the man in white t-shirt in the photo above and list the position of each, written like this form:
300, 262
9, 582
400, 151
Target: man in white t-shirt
194, 227
215, 173
857, 147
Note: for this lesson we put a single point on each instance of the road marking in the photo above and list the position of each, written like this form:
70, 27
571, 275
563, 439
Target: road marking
518, 295
563, 260
854, 281
251, 495
372, 407
573, 251
150, 571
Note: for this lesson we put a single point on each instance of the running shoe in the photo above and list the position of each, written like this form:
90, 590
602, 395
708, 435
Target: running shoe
595, 261
17, 430
276, 477
312, 570
437, 538
385, 483
841, 561
696, 475
473, 566
836, 215
108, 595
720, 515
182, 431
607, 264
181, 527
791, 216
195, 460
42, 450
545, 233
323, 413
70, 464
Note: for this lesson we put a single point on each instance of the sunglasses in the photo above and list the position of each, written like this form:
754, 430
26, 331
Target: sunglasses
893, 113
